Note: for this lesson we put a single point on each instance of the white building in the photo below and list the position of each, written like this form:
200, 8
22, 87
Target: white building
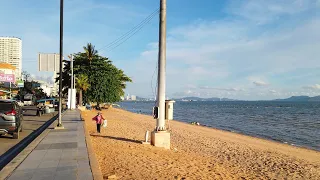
11, 53
133, 98
6, 68
47, 88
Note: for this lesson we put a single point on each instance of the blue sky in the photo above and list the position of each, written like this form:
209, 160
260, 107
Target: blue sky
252, 49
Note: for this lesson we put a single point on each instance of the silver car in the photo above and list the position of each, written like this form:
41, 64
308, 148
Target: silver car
11, 118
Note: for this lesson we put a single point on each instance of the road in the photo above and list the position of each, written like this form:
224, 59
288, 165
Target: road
31, 123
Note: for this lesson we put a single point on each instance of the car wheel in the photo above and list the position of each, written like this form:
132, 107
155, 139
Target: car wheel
15, 135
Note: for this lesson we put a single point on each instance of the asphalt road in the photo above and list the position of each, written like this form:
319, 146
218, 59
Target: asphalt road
31, 123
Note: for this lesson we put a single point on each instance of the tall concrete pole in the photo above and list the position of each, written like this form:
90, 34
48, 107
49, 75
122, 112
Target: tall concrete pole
60, 67
162, 67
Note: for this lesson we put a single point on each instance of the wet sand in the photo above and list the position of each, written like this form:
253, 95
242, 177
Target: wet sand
196, 152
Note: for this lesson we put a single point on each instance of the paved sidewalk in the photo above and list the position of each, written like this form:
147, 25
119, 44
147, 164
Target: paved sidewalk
62, 154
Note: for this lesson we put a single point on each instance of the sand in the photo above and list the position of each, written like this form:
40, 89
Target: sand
196, 152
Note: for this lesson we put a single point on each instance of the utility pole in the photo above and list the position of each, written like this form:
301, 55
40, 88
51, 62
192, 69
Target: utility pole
162, 68
59, 125
160, 137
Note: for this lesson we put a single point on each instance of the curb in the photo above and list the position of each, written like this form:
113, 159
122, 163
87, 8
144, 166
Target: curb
11, 159
95, 169
14, 163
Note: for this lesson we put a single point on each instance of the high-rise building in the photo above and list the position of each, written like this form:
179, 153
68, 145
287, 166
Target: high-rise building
11, 53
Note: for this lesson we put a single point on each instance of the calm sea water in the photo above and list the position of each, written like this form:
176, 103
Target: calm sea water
295, 123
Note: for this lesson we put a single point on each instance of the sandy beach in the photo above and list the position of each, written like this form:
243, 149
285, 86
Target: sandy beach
196, 152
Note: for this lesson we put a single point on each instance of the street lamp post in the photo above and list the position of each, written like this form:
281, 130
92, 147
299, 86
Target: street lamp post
59, 125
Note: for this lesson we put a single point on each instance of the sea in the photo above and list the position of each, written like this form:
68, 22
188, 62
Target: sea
293, 123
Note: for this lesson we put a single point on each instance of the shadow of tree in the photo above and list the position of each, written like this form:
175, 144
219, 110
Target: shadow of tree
117, 138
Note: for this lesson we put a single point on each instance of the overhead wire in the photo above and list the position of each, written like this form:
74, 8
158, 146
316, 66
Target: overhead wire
117, 42
122, 39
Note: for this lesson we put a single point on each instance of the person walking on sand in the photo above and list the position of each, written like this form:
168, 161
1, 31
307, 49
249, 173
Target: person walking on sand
99, 120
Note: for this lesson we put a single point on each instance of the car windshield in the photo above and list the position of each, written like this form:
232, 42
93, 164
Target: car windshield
5, 106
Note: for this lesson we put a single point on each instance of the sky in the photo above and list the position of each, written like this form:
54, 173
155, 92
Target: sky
239, 49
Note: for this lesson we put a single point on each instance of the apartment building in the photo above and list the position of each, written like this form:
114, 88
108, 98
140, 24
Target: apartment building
11, 53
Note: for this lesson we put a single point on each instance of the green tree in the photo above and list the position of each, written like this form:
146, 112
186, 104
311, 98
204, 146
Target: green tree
82, 84
106, 82
90, 52
25, 75
66, 78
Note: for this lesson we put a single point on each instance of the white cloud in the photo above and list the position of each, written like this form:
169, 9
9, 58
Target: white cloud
220, 52
260, 83
187, 93
222, 89
312, 87
261, 11
273, 91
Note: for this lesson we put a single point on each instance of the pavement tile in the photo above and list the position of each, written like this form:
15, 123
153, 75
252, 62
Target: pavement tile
85, 176
83, 152
42, 146
40, 172
67, 145
66, 175
70, 150
68, 168
43, 177
83, 165
63, 163
57, 146
21, 175
54, 154
49, 164
29, 164
71, 145
70, 157
37, 154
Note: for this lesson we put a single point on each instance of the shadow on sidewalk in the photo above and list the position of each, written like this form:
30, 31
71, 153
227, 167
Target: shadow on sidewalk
117, 138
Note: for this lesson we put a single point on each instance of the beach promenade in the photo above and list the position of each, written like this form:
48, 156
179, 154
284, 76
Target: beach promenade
61, 155
196, 152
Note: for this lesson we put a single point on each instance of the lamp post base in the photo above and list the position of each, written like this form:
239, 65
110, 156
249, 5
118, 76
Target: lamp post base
160, 139
59, 126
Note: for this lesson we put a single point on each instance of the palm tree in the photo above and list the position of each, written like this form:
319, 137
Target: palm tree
82, 85
90, 51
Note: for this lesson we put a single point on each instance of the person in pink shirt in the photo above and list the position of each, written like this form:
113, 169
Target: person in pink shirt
99, 120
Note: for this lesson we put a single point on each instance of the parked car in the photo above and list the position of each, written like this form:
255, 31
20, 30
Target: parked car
20, 103
11, 118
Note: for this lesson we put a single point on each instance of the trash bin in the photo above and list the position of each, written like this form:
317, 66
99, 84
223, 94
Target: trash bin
169, 109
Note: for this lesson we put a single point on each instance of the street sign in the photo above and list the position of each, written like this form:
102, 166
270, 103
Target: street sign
20, 84
49, 62
7, 78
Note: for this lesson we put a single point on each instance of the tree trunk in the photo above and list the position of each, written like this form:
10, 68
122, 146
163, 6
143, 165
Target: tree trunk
80, 97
